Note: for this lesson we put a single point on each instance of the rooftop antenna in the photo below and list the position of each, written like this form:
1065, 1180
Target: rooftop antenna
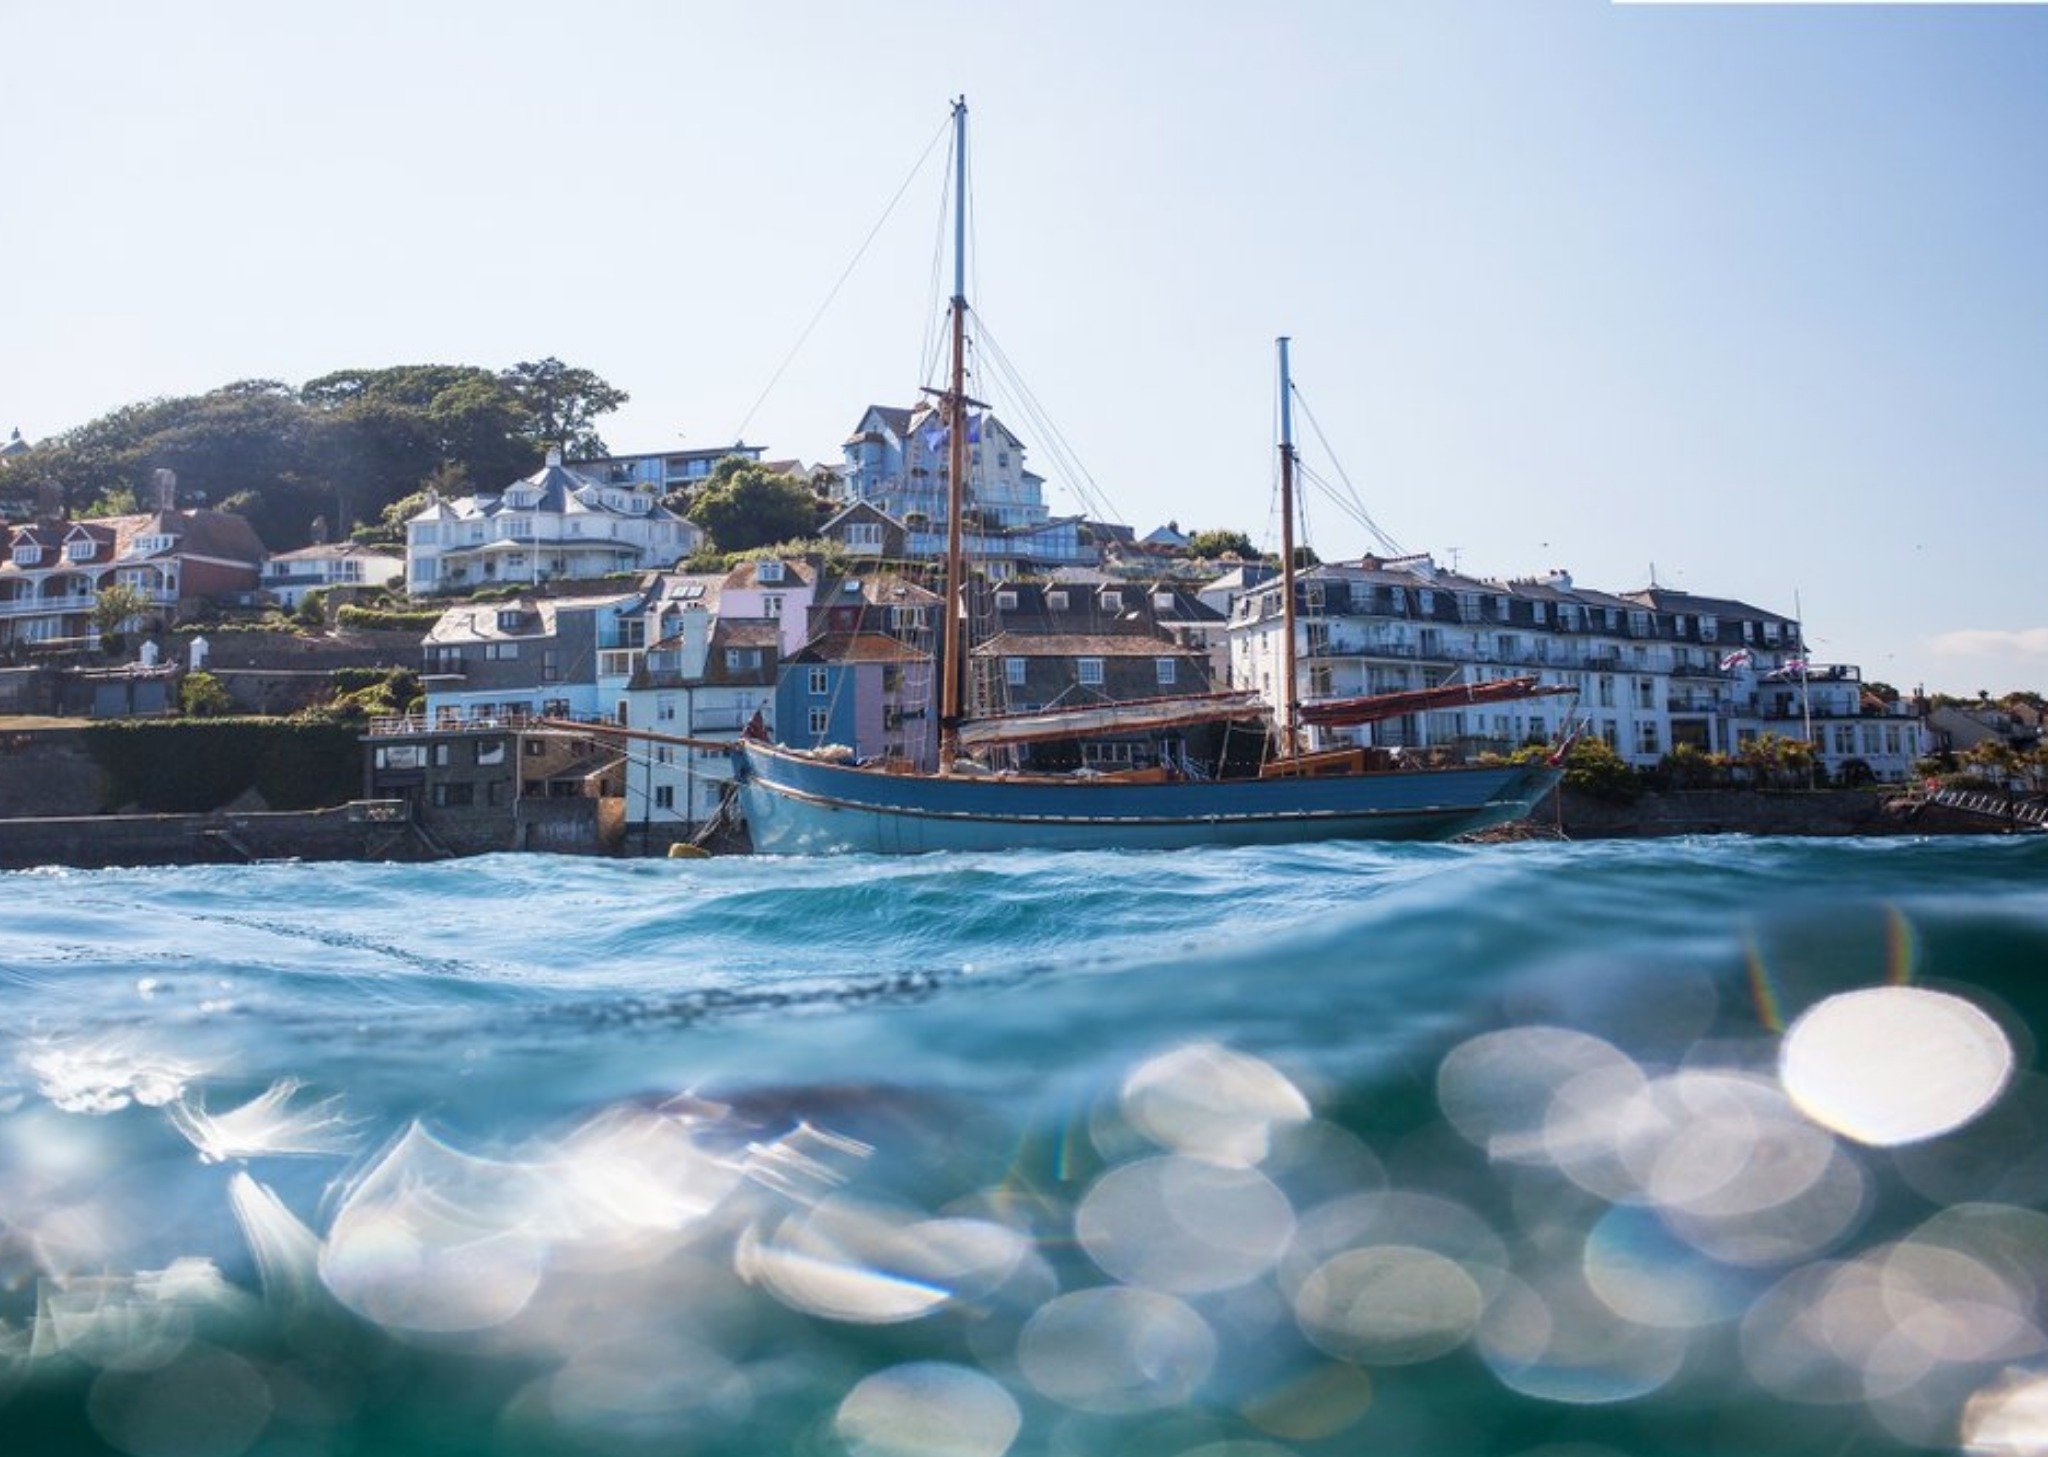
1453, 552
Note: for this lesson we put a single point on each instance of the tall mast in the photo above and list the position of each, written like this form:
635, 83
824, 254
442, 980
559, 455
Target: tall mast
953, 629
1290, 710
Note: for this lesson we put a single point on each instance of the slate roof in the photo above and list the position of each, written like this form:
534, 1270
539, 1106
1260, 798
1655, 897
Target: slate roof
554, 490
1079, 645
472, 622
859, 647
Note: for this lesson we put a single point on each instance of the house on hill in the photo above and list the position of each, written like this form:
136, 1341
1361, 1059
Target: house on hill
558, 523
54, 569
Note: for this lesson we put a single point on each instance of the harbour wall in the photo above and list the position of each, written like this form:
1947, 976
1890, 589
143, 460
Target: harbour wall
345, 832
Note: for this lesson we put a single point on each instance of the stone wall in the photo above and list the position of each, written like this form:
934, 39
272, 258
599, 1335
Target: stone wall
94, 841
1724, 812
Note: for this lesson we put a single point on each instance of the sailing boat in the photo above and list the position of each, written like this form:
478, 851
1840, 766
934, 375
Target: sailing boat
803, 803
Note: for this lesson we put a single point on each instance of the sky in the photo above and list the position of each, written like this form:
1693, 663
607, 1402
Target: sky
1751, 297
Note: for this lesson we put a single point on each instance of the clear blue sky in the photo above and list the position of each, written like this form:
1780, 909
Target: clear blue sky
1758, 294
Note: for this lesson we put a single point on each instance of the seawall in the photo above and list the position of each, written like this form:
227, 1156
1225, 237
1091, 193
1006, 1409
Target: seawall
346, 832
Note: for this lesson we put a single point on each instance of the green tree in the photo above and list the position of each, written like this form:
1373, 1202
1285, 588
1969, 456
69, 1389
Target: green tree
1222, 543
1777, 762
562, 403
116, 604
202, 696
742, 505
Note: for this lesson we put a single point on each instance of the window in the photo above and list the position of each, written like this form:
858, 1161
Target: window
864, 535
739, 658
510, 621
664, 753
665, 708
771, 605
498, 650
1091, 671
1006, 601
1646, 692
490, 751
401, 756
1112, 600
1056, 600
821, 682
821, 722
1013, 672
769, 571
1320, 681
550, 666
27, 555
82, 549
906, 617
454, 795
1646, 738
664, 796
1165, 668
1162, 601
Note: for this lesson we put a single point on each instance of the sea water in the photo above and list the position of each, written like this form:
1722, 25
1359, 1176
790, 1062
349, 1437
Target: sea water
1708, 1146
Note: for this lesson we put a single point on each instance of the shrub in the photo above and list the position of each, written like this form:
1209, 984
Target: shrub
201, 695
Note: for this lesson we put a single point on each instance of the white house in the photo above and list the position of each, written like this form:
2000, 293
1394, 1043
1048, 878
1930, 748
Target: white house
290, 575
555, 523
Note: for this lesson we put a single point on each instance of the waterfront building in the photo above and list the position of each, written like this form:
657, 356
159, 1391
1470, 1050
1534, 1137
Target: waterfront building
706, 680
471, 788
512, 661
55, 569
865, 678
290, 575
1652, 670
558, 523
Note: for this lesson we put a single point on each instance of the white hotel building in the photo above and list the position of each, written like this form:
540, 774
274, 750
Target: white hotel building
556, 523
1651, 669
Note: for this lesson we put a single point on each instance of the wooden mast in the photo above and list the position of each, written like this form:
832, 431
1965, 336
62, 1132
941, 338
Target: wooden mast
953, 633
1290, 711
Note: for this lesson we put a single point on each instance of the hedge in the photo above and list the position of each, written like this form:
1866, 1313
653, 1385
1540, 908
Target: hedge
369, 617
190, 766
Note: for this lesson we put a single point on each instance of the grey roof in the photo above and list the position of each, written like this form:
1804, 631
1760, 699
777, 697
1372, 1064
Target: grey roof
552, 490
1665, 599
537, 617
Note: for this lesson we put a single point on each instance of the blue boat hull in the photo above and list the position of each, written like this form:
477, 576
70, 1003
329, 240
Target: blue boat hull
796, 805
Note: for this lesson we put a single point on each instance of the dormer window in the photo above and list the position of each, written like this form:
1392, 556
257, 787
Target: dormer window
1112, 600
1006, 601
771, 571
1056, 600
81, 550
28, 554
510, 621
1162, 601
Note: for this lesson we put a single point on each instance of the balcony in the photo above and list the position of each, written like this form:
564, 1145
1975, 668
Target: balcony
415, 724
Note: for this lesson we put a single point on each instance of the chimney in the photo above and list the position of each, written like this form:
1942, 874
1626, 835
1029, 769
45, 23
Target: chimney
695, 651
554, 455
163, 487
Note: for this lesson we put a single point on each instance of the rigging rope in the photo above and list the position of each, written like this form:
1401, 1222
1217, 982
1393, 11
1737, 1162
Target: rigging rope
1355, 506
1079, 480
859, 253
